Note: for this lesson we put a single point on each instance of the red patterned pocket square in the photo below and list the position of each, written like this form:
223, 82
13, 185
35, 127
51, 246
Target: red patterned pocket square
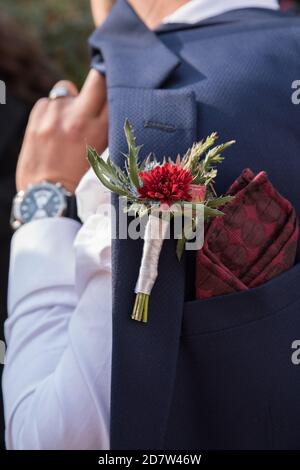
255, 241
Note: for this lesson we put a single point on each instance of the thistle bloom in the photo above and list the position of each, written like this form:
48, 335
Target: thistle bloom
166, 183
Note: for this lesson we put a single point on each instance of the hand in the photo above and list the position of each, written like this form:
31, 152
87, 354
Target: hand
58, 131
101, 9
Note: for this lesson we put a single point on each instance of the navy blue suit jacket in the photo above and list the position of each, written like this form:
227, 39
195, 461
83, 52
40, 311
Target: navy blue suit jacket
217, 373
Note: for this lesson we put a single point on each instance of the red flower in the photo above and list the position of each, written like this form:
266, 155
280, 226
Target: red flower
166, 183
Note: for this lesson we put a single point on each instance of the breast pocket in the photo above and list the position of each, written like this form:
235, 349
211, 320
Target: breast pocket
238, 383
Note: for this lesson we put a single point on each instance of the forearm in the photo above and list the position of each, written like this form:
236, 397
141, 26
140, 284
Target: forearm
42, 263
48, 398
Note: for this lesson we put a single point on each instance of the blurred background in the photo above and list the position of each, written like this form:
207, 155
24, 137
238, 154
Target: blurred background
59, 27
41, 41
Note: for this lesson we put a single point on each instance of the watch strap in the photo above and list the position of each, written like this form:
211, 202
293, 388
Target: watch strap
71, 210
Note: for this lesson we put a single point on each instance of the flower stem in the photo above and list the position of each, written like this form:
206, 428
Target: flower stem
145, 310
140, 309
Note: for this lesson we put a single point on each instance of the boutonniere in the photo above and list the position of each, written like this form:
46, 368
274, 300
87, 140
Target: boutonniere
163, 191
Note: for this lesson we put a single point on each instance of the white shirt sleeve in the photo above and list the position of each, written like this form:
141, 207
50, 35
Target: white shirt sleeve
56, 380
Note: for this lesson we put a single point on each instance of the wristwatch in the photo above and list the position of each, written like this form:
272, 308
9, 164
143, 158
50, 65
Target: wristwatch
41, 201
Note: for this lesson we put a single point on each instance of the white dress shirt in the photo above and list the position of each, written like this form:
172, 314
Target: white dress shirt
57, 375
198, 10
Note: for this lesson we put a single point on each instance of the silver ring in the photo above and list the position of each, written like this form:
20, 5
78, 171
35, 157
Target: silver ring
59, 92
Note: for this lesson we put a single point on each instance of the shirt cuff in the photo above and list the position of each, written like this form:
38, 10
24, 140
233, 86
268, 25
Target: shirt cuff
42, 256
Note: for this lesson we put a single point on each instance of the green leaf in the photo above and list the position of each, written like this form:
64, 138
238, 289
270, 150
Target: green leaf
121, 175
100, 169
192, 156
219, 201
110, 171
98, 162
133, 153
214, 156
180, 247
182, 241
211, 212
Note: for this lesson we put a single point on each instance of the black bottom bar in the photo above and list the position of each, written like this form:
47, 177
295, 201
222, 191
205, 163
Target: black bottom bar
133, 459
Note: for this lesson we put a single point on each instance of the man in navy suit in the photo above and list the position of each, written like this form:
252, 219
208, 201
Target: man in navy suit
203, 374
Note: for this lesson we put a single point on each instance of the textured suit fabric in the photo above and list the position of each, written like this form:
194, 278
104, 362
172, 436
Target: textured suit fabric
205, 374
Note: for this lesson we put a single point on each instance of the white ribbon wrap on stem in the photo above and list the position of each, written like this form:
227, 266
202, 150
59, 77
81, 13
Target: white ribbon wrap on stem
155, 233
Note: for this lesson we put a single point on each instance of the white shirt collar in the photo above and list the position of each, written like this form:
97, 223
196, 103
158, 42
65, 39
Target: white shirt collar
198, 10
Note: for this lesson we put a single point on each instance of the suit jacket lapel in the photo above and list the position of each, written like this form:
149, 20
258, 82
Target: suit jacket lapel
144, 356
133, 54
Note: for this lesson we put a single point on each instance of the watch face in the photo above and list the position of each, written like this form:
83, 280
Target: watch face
44, 200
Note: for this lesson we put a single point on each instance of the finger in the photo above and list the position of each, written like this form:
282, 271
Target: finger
38, 111
69, 86
92, 97
39, 107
